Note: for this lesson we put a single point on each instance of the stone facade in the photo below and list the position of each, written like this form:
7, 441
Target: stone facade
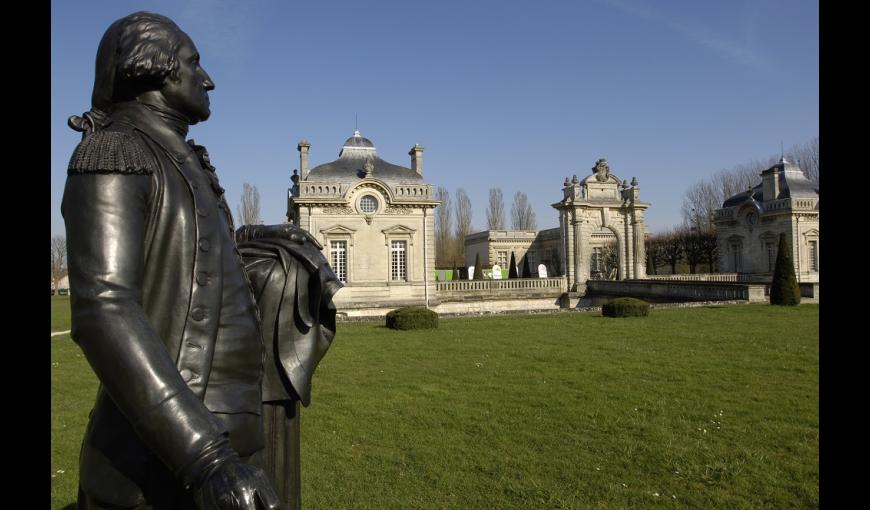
595, 212
375, 222
496, 246
749, 224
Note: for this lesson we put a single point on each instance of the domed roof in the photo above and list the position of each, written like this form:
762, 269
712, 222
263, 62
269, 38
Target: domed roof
357, 140
355, 156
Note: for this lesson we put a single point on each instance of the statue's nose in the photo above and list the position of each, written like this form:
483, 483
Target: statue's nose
207, 82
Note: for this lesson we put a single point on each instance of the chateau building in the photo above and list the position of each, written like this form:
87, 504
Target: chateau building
749, 223
374, 220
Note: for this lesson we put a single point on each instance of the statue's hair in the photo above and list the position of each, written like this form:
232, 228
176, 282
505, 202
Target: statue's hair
147, 52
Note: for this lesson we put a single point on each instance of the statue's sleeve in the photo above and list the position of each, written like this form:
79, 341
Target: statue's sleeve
104, 208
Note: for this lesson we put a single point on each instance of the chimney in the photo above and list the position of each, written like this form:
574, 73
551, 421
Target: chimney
416, 154
303, 158
770, 183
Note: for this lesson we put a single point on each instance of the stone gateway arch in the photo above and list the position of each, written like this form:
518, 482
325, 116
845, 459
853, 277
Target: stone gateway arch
593, 213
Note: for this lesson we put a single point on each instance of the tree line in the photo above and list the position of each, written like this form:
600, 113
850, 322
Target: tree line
696, 247
453, 221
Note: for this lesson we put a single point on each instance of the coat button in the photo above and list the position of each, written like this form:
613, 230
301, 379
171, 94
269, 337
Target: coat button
198, 314
186, 374
202, 212
202, 278
204, 245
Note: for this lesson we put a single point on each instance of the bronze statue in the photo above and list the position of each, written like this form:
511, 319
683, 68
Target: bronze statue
161, 304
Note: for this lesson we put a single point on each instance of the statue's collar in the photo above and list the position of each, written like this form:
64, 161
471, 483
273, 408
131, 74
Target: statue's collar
142, 118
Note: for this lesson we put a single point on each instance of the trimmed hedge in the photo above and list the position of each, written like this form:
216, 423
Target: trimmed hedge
412, 317
625, 307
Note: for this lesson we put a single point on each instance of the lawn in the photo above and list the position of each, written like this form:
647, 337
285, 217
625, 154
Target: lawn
712, 407
59, 313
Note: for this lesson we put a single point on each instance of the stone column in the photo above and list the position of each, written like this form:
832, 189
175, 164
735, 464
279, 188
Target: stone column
570, 269
577, 248
639, 246
629, 248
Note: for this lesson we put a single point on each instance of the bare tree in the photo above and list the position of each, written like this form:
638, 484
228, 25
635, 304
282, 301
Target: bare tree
654, 253
249, 208
58, 260
463, 221
806, 156
522, 215
671, 249
709, 247
689, 239
495, 213
443, 228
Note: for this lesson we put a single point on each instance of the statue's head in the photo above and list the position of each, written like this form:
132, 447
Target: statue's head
147, 53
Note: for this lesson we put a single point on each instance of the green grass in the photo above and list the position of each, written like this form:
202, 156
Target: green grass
712, 407
60, 313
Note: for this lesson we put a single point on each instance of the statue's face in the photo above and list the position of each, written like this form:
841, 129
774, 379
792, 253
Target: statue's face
187, 91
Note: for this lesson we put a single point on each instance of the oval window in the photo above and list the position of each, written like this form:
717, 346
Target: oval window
368, 204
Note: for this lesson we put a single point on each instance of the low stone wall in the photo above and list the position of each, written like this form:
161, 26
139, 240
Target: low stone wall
490, 306
667, 290
467, 307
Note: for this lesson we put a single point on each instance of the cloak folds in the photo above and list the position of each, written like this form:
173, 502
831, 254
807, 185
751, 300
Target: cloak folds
293, 286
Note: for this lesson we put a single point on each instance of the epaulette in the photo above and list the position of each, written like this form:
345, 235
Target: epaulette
110, 152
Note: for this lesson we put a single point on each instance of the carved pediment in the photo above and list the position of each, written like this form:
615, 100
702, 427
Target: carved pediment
398, 230
337, 229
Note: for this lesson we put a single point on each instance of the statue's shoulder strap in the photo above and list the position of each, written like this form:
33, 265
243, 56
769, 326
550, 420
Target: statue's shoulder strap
110, 152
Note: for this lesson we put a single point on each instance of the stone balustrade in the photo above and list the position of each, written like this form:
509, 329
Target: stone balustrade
794, 204
316, 189
698, 277
518, 288
412, 192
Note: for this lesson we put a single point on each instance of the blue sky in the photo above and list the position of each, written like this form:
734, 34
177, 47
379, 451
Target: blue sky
509, 94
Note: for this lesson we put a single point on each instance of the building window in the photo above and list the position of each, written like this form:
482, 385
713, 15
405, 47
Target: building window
736, 257
368, 204
533, 265
771, 256
502, 259
814, 256
398, 261
338, 259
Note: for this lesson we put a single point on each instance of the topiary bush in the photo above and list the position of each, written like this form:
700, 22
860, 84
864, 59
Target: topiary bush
478, 271
412, 317
512, 271
625, 307
784, 289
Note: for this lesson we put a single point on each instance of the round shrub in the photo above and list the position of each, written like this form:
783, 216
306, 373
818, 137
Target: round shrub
412, 317
625, 307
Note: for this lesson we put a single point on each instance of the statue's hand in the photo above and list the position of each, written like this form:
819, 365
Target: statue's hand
235, 485
283, 231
